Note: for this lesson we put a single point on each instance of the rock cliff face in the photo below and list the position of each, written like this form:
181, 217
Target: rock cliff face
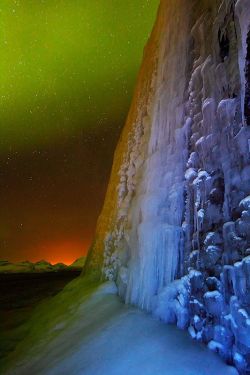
174, 232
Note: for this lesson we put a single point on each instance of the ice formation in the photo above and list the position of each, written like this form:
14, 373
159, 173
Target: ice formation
174, 232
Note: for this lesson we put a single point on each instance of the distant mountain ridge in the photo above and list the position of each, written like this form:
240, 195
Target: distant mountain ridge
40, 266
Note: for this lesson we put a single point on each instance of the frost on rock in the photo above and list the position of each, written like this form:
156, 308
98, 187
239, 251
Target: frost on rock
174, 233
172, 303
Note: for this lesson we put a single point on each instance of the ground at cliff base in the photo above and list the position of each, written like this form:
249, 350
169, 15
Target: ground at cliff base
108, 337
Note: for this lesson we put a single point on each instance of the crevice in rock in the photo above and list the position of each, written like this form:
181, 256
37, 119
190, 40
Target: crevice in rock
247, 72
224, 45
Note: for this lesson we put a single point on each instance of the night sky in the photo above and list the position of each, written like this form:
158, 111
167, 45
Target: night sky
67, 73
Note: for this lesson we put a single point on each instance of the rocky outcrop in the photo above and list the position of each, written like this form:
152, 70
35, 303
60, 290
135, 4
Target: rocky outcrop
19, 267
77, 264
174, 232
40, 266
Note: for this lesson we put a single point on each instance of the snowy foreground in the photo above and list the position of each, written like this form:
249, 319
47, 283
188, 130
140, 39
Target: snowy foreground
111, 338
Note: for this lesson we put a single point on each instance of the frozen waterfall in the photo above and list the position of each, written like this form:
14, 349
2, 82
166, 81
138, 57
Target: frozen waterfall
174, 230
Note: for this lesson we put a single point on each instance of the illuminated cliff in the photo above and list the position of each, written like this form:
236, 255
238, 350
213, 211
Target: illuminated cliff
174, 233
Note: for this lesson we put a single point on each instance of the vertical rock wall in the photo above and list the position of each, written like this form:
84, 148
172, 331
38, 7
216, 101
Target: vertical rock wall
175, 228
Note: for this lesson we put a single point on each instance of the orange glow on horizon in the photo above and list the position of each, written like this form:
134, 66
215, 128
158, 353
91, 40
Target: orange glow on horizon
59, 251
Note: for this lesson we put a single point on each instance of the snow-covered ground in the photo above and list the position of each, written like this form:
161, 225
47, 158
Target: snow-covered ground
107, 337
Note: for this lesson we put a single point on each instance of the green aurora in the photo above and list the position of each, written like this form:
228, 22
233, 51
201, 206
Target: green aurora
67, 74
67, 64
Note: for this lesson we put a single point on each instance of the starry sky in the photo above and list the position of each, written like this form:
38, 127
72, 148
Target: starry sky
67, 73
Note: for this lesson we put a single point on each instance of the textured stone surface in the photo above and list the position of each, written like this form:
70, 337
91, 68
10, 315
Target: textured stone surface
178, 203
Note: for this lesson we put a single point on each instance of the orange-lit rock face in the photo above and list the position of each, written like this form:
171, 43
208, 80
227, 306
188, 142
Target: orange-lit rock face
143, 138
139, 113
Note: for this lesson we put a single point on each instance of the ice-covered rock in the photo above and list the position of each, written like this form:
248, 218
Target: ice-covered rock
179, 190
196, 280
214, 303
122, 281
212, 255
171, 304
245, 204
190, 175
213, 238
213, 283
